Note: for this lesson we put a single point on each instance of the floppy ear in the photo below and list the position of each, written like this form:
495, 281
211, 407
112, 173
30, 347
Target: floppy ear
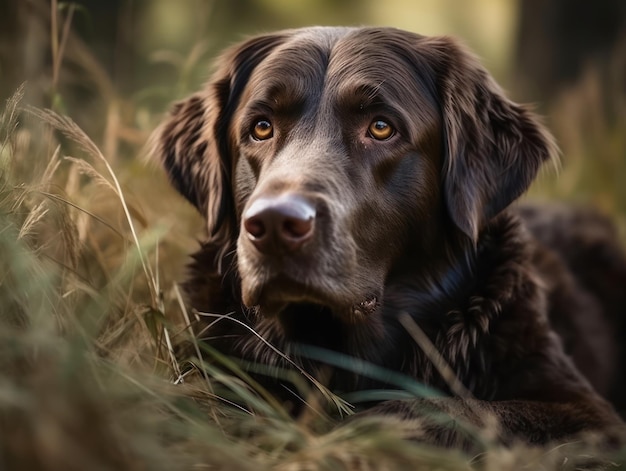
494, 147
193, 143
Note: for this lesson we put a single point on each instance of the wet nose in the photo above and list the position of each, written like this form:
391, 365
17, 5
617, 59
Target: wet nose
281, 223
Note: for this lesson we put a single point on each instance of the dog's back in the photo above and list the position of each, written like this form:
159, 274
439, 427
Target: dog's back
582, 262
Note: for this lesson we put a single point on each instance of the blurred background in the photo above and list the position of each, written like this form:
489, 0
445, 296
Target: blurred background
115, 66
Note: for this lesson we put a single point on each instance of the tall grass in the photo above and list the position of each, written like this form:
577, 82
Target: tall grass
71, 396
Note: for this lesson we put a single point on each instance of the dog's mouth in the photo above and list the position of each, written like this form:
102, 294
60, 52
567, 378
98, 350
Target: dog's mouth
285, 298
317, 324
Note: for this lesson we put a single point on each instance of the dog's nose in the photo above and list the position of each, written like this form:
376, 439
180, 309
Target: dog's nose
279, 223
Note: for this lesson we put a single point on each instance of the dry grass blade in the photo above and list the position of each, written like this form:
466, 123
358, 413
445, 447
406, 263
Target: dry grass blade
9, 117
183, 308
434, 356
72, 131
89, 213
85, 168
51, 168
8, 120
170, 351
58, 48
243, 385
205, 376
341, 405
34, 216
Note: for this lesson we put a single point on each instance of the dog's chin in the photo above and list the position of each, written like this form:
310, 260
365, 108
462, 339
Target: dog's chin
347, 314
284, 300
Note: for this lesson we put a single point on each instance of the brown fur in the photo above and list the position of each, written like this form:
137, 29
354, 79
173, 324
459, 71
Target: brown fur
413, 225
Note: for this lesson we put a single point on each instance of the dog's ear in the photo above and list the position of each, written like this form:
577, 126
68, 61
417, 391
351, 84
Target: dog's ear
493, 147
193, 143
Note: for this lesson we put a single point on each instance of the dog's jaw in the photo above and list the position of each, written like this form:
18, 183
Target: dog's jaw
272, 296
271, 303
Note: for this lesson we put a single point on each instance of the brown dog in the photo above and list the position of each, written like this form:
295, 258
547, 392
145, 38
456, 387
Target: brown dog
355, 183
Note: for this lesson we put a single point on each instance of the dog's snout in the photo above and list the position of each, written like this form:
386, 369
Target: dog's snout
282, 223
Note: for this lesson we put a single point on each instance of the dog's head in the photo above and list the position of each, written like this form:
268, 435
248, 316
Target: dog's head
332, 157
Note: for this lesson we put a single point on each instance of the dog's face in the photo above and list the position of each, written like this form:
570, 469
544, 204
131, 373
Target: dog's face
332, 158
329, 165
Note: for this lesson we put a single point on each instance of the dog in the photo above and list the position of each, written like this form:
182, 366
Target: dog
358, 187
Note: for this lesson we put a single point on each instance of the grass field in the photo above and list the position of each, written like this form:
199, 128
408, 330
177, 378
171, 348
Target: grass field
93, 242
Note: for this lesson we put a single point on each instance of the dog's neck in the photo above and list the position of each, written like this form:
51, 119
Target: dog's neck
464, 273
456, 309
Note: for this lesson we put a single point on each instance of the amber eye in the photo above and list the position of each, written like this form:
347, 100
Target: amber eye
380, 130
262, 130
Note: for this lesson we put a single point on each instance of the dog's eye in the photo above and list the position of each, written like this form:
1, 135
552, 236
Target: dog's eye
380, 130
262, 130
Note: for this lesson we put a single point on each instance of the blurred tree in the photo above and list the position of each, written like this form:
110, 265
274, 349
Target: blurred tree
23, 31
558, 39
